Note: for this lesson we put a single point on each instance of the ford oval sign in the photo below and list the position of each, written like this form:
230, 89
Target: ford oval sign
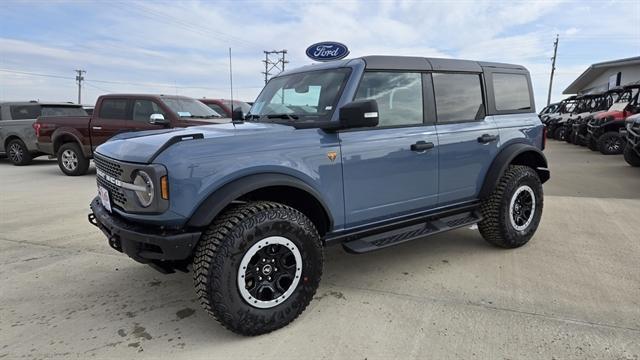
327, 51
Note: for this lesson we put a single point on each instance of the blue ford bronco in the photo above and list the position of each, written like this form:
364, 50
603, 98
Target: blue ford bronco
367, 153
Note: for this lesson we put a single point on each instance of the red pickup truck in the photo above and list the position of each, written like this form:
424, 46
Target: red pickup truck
72, 139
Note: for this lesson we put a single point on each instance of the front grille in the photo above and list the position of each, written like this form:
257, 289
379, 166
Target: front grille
108, 167
114, 170
116, 194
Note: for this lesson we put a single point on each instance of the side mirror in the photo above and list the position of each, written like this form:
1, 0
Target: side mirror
359, 114
237, 114
158, 119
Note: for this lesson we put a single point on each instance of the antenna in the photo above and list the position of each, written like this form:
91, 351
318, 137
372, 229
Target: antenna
231, 81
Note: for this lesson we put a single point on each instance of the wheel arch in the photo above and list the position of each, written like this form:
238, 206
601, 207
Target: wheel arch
10, 138
62, 137
284, 189
514, 154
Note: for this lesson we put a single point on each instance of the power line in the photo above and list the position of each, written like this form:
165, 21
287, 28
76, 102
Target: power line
126, 82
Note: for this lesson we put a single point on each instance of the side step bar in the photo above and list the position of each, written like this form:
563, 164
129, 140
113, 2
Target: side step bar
412, 232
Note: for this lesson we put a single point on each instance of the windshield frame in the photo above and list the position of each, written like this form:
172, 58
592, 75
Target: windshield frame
303, 120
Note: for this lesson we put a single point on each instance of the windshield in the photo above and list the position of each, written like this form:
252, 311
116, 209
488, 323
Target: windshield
307, 96
190, 108
238, 104
63, 111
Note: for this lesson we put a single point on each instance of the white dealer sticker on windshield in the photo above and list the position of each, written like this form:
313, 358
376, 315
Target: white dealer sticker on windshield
184, 114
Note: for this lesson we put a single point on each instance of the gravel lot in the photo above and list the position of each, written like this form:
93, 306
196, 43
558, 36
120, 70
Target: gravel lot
572, 293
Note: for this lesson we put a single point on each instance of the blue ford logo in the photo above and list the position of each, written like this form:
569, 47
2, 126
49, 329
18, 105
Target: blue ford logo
327, 51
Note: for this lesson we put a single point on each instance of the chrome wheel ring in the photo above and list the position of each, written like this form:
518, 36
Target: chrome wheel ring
522, 208
269, 272
69, 160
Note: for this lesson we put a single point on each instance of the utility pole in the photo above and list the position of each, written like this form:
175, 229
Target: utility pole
273, 59
553, 68
79, 79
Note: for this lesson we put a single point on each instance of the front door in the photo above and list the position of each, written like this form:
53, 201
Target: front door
390, 170
468, 139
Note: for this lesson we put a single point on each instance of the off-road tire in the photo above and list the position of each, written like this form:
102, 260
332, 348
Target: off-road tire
82, 162
496, 227
560, 134
606, 137
631, 157
18, 153
218, 256
592, 144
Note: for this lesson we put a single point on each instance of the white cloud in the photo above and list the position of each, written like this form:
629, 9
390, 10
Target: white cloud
185, 43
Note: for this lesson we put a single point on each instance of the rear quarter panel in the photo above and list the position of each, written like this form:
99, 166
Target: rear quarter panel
519, 128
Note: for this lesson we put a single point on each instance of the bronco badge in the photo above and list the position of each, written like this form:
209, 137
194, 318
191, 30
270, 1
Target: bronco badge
332, 155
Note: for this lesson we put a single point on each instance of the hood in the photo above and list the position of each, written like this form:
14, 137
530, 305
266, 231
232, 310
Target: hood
144, 146
616, 114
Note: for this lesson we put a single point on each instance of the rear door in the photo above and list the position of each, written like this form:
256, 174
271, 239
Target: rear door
391, 170
114, 116
468, 139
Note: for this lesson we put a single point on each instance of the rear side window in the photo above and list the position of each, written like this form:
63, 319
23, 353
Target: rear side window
511, 92
114, 109
218, 109
63, 111
399, 96
22, 112
458, 97
143, 109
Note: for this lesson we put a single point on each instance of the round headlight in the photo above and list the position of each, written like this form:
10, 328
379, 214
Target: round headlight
144, 196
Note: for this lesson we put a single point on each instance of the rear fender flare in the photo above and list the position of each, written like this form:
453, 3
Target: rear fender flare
520, 153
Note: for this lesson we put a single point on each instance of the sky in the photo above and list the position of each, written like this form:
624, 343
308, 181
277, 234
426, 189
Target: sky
182, 47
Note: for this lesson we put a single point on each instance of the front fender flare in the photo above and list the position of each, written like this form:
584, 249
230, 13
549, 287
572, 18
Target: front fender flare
223, 196
534, 158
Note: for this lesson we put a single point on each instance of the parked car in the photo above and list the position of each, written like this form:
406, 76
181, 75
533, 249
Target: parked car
17, 138
604, 129
367, 153
580, 134
548, 110
73, 139
556, 120
588, 105
224, 108
632, 135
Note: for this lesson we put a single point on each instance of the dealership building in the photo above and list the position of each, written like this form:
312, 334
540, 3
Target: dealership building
606, 75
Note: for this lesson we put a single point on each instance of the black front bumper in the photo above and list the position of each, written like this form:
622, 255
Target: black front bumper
144, 244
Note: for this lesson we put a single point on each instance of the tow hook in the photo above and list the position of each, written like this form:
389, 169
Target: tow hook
92, 220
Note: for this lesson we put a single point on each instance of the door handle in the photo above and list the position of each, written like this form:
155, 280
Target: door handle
486, 138
97, 128
422, 146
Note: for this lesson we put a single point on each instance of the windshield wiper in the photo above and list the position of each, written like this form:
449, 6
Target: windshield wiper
283, 116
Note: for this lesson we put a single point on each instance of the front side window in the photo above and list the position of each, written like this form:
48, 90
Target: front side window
300, 97
458, 97
511, 92
190, 108
114, 109
22, 112
399, 96
143, 109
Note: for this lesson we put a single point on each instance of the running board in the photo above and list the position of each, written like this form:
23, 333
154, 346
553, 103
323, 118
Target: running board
412, 232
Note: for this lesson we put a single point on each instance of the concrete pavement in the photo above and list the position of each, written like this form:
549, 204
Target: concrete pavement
572, 293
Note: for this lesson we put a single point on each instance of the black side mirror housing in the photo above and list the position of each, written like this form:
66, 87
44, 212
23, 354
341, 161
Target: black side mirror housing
359, 114
237, 114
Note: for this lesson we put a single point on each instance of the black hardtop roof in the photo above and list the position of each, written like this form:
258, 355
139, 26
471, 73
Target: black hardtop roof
384, 62
410, 63
41, 103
